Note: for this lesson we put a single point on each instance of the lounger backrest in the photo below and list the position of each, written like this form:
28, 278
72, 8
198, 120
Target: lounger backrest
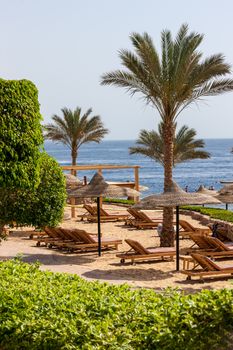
62, 233
145, 217
135, 213
52, 232
216, 243
200, 241
103, 212
78, 234
186, 225
139, 249
92, 210
84, 236
205, 262
69, 234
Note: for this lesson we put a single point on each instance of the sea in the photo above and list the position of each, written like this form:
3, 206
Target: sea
207, 172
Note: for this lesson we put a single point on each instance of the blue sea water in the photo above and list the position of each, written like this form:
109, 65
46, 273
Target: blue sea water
207, 172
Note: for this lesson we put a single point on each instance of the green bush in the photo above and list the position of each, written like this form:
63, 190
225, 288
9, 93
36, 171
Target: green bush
43, 310
215, 213
21, 133
42, 206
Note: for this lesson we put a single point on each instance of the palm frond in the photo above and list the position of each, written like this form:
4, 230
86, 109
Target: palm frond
75, 129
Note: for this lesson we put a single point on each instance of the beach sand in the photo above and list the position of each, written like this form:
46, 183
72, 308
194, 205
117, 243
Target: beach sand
155, 274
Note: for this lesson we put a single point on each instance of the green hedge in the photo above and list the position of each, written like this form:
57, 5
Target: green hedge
41, 206
43, 310
215, 213
21, 133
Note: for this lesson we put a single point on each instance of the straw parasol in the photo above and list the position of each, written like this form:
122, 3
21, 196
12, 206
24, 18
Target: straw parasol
98, 187
72, 180
225, 195
203, 190
174, 198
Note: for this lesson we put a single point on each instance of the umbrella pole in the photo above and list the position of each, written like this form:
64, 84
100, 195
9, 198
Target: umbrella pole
99, 231
177, 240
226, 206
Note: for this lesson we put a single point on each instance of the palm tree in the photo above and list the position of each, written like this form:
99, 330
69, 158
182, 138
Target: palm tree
74, 129
185, 147
170, 83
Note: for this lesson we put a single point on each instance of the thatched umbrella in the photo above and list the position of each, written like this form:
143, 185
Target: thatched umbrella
98, 187
72, 180
174, 198
203, 190
225, 195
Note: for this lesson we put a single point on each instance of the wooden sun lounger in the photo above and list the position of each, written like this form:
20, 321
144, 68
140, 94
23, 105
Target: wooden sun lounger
208, 268
90, 210
210, 246
91, 215
142, 220
108, 218
87, 241
219, 245
53, 234
188, 228
200, 241
138, 252
138, 217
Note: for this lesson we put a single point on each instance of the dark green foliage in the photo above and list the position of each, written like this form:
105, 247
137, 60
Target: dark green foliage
21, 133
43, 310
42, 206
215, 213
186, 147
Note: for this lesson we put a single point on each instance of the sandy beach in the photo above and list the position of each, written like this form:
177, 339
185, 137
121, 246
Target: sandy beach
155, 274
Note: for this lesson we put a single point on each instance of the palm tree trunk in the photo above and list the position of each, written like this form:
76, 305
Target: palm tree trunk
74, 155
167, 236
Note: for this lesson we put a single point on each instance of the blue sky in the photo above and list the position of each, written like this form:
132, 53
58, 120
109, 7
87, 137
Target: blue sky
64, 46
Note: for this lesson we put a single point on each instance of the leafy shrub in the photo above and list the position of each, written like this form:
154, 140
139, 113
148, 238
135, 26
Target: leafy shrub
21, 133
42, 206
215, 213
43, 310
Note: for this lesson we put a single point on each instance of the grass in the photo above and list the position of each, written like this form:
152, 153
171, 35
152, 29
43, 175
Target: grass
215, 213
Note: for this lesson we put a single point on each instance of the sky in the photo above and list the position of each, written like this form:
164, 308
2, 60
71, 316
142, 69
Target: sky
64, 46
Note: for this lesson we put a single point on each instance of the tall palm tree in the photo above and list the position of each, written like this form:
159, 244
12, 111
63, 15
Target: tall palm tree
74, 129
170, 83
185, 147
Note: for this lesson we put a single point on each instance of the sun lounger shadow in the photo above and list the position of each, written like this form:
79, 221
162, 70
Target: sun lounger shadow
129, 274
55, 259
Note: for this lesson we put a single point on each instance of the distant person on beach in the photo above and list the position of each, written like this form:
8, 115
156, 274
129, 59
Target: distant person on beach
211, 188
186, 188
